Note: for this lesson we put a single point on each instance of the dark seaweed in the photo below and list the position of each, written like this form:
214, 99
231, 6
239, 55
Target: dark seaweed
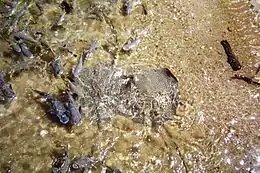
231, 57
246, 79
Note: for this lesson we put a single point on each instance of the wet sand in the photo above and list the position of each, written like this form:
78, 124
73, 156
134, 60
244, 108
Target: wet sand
216, 128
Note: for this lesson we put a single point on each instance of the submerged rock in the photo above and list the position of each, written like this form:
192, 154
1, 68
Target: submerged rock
148, 96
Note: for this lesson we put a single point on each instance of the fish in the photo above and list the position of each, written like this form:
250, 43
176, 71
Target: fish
78, 68
25, 50
116, 170
61, 163
84, 163
75, 115
108, 169
114, 2
85, 55
128, 7
12, 7
130, 45
231, 57
15, 15
61, 19
89, 51
18, 43
57, 67
22, 35
138, 2
7, 94
56, 107
74, 4
16, 47
76, 89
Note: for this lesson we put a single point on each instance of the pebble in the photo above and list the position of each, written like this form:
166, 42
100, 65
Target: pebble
43, 133
229, 161
242, 162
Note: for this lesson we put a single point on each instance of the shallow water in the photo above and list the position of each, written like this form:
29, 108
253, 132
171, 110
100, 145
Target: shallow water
216, 128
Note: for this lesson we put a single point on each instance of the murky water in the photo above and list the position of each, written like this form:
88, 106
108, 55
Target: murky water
216, 128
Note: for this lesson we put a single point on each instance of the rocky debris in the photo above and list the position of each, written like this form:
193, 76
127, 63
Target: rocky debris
147, 96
